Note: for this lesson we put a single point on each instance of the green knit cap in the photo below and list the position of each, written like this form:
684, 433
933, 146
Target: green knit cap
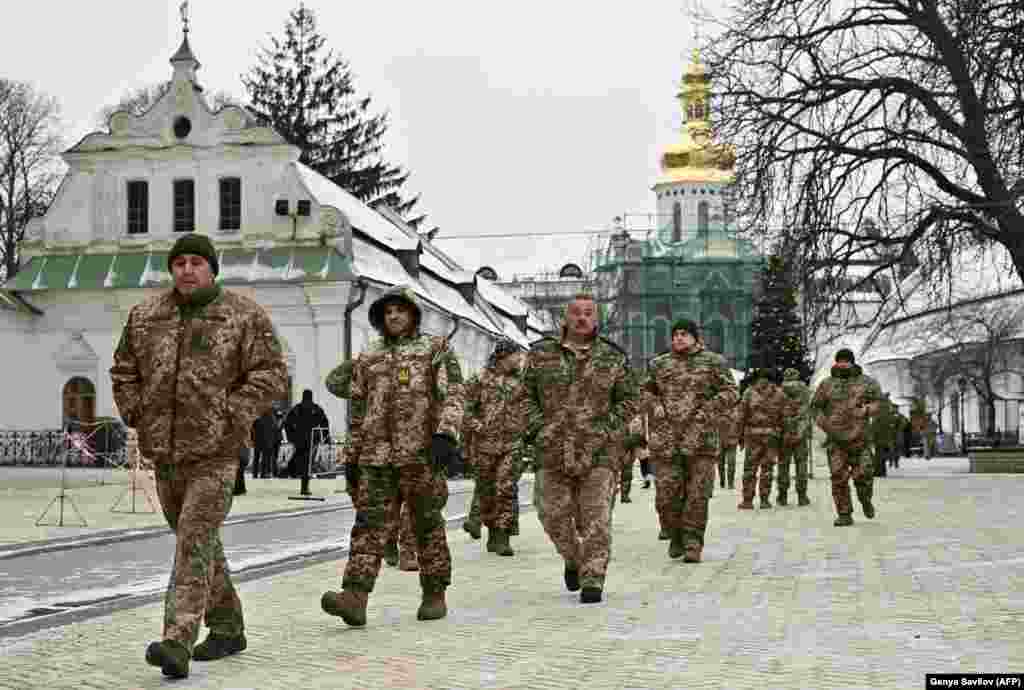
197, 244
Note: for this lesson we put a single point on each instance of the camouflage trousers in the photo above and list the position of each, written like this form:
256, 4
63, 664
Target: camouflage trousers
727, 466
497, 483
760, 457
195, 498
386, 487
684, 486
795, 455
850, 462
576, 515
626, 475
402, 529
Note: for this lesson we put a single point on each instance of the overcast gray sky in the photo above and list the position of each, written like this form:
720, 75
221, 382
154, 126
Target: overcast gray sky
532, 116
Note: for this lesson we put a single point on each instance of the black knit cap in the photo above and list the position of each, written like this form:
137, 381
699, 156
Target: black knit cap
504, 346
688, 326
197, 244
846, 355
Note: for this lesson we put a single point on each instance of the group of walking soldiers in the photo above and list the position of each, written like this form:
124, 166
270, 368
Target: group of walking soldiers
197, 365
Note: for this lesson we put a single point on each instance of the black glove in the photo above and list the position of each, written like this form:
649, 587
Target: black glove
442, 452
351, 474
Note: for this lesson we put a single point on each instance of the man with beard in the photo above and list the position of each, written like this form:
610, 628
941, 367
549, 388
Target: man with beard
407, 405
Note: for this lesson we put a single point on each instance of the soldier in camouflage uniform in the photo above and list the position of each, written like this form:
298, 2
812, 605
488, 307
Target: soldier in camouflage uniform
407, 409
843, 405
631, 455
729, 434
400, 525
580, 398
687, 391
194, 368
795, 437
471, 525
761, 424
498, 419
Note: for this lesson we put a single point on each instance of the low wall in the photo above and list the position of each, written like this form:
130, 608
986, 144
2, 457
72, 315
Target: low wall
1006, 460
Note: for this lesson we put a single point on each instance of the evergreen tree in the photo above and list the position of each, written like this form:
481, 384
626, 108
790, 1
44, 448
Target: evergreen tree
776, 331
306, 93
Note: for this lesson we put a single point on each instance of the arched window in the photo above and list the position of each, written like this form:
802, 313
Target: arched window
703, 212
677, 222
79, 401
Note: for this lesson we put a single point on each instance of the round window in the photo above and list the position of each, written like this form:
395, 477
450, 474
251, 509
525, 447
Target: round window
182, 127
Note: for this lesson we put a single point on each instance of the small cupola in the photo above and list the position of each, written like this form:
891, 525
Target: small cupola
184, 62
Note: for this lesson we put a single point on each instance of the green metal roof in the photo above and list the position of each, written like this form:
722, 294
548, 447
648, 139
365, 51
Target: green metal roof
137, 270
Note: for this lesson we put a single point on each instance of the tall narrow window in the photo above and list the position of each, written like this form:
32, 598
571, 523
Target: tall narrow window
702, 219
138, 207
184, 206
230, 203
677, 222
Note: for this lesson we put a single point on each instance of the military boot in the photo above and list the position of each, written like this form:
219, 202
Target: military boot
391, 553
218, 646
802, 500
782, 500
869, 508
625, 494
676, 547
501, 545
692, 553
348, 604
746, 504
844, 520
171, 656
765, 503
472, 528
408, 561
492, 537
663, 534
590, 595
433, 607
571, 576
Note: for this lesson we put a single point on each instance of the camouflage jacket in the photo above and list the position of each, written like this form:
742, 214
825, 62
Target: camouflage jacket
193, 386
471, 394
729, 431
578, 403
797, 412
843, 406
696, 391
762, 413
886, 425
404, 390
496, 411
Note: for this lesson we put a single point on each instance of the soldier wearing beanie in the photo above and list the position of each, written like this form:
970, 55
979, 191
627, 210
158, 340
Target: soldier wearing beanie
194, 368
843, 406
688, 391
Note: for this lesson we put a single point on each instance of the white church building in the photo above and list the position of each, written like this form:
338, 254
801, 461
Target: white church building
312, 254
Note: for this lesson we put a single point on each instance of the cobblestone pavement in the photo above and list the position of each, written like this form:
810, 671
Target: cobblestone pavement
783, 600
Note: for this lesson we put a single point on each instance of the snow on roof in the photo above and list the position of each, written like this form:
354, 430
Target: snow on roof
361, 216
451, 300
503, 300
378, 264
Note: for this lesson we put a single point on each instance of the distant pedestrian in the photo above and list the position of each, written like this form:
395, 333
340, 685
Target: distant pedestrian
762, 414
796, 435
195, 366
266, 441
243, 463
307, 427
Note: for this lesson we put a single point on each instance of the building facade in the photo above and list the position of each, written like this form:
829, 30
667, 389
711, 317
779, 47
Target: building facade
308, 251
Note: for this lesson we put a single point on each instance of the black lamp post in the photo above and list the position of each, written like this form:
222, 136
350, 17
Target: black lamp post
962, 383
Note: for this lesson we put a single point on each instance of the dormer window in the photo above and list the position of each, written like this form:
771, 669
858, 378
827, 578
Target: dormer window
230, 203
138, 207
184, 206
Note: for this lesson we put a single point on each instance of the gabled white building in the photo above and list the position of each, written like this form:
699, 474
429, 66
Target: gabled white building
306, 249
